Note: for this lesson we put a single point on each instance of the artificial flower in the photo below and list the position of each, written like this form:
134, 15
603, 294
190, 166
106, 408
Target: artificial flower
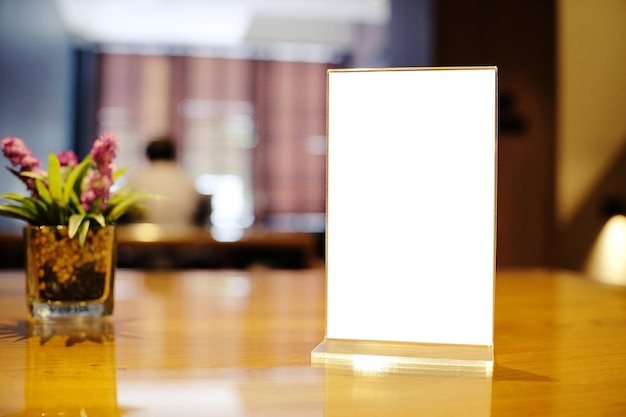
77, 195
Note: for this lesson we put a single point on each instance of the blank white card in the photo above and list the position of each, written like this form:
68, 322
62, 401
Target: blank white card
411, 205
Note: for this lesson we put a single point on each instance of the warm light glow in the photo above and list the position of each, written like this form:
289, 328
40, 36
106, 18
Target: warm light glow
225, 23
231, 209
371, 364
147, 232
607, 259
167, 22
181, 397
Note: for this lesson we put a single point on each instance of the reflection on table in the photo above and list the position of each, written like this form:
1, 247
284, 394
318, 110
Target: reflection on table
238, 343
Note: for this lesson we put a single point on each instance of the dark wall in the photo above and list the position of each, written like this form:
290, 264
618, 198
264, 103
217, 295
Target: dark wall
519, 38
411, 33
35, 82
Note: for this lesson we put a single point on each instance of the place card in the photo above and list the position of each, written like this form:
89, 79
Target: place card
411, 209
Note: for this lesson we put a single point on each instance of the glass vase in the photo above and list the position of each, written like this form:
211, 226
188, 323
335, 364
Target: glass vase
65, 280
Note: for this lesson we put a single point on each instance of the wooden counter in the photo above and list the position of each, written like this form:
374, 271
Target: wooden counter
234, 343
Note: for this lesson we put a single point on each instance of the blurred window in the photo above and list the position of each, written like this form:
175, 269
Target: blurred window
250, 132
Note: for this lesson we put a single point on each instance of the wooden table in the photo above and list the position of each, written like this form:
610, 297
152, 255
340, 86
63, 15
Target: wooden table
233, 343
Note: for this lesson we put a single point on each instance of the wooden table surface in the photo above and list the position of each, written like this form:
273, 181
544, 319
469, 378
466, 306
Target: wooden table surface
238, 343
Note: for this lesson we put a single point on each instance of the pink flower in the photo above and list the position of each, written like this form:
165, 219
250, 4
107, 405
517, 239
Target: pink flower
106, 182
98, 183
31, 186
104, 149
30, 163
85, 190
87, 198
67, 158
21, 157
97, 188
18, 153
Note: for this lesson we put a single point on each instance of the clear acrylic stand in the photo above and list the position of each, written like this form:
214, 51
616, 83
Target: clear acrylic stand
392, 357
411, 215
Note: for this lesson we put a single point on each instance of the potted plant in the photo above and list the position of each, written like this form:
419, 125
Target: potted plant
70, 241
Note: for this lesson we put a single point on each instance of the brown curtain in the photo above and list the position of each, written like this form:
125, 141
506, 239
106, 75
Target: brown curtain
143, 96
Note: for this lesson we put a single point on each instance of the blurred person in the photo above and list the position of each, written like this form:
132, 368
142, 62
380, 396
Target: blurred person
181, 204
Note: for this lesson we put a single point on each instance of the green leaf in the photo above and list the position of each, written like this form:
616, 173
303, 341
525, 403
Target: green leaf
54, 214
16, 212
118, 173
75, 178
16, 173
82, 234
123, 203
43, 191
74, 223
54, 179
79, 223
41, 207
30, 205
13, 197
125, 193
99, 218
32, 174
76, 203
20, 175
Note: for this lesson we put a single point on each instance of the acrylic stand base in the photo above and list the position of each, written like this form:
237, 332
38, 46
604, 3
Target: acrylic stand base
398, 357
69, 310
74, 330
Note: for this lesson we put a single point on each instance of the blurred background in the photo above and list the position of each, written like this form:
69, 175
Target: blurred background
240, 85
